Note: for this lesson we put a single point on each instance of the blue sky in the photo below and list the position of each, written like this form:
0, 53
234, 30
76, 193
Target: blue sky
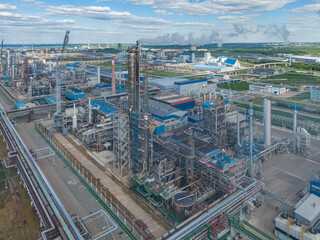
159, 21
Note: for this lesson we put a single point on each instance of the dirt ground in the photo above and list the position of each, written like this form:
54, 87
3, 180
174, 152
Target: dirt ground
18, 218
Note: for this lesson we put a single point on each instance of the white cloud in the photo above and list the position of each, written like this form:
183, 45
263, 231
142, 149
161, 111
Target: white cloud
209, 7
15, 19
235, 17
163, 12
310, 19
306, 8
7, 7
102, 13
195, 24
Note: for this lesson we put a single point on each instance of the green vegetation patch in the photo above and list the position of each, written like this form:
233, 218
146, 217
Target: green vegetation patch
293, 79
237, 86
300, 96
105, 64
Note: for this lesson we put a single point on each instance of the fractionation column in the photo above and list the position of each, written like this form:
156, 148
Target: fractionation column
294, 142
113, 78
98, 74
267, 122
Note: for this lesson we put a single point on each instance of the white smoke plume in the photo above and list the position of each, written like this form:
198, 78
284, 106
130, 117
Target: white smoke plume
273, 31
176, 38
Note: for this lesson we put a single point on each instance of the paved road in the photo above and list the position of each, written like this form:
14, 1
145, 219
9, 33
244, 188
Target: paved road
72, 193
4, 100
154, 227
286, 176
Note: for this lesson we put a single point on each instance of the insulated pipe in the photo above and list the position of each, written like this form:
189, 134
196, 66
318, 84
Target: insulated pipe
267, 122
238, 129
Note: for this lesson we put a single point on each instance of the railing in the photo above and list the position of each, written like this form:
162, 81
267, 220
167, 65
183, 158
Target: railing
86, 176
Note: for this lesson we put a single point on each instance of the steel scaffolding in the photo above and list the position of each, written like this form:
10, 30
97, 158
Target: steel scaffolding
120, 143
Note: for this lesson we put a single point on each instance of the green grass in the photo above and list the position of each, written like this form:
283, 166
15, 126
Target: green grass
237, 86
300, 96
305, 66
105, 64
275, 112
196, 77
161, 73
292, 79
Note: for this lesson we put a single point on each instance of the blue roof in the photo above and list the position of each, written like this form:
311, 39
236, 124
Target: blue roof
231, 61
184, 53
209, 67
104, 86
190, 82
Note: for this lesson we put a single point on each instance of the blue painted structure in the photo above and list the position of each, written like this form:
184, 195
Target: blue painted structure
74, 94
19, 105
158, 129
315, 188
103, 106
190, 82
210, 67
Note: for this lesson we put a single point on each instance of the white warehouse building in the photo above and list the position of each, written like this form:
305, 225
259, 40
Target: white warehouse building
277, 90
195, 88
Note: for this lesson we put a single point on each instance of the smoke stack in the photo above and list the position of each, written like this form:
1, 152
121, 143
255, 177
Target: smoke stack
108, 44
267, 122
88, 43
99, 44
113, 78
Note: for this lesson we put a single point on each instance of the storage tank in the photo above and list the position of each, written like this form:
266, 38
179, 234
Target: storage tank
74, 118
193, 50
183, 201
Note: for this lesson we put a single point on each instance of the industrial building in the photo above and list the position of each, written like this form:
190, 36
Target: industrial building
309, 59
183, 86
178, 143
263, 72
315, 94
195, 88
268, 89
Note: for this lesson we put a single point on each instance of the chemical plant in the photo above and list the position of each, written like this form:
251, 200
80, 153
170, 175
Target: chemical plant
164, 157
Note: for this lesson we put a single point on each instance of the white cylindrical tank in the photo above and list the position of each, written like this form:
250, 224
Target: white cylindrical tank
90, 112
98, 75
267, 122
207, 56
294, 131
74, 118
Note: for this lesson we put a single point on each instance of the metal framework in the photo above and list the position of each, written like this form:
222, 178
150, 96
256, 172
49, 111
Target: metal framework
120, 143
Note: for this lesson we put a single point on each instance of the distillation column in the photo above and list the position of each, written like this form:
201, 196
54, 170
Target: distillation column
294, 142
99, 74
267, 122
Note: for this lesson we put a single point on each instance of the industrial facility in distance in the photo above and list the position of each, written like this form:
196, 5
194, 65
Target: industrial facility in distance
142, 142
